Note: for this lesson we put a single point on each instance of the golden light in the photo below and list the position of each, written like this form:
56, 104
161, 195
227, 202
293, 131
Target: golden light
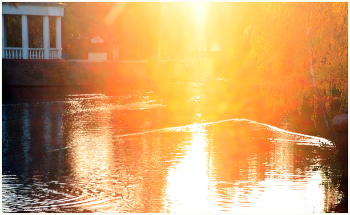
114, 13
199, 11
90, 157
187, 182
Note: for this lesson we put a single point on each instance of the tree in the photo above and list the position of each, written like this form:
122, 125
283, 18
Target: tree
301, 48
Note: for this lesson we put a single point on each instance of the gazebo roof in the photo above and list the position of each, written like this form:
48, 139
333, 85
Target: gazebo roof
35, 3
34, 8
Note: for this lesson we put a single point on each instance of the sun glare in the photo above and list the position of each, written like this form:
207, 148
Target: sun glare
187, 181
199, 11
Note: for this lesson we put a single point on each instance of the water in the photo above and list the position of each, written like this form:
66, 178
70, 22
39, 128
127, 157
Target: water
88, 151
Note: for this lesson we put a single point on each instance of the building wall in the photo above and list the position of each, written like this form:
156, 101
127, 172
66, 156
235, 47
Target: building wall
131, 74
50, 72
75, 73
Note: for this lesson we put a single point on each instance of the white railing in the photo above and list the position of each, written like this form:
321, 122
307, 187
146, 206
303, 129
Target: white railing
13, 53
33, 53
36, 53
54, 54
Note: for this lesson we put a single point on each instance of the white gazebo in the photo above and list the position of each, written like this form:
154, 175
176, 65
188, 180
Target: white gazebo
25, 9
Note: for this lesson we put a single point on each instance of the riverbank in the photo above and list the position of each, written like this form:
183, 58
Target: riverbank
48, 73
39, 73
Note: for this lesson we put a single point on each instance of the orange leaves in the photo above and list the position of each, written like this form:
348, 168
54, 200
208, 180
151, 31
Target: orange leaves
285, 39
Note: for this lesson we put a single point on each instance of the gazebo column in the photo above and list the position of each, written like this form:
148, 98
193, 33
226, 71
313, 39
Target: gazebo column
58, 37
46, 33
3, 36
25, 43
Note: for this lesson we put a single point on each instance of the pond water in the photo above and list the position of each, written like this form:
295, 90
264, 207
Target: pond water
88, 151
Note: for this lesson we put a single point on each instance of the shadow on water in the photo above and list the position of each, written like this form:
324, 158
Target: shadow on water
18, 94
72, 150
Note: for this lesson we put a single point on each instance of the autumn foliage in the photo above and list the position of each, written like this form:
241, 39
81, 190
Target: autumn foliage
302, 48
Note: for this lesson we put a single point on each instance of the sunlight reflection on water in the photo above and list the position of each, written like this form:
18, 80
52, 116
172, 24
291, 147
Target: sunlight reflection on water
187, 181
96, 153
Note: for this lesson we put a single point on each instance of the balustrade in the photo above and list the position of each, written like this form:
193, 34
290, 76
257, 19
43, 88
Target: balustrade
17, 53
54, 54
13, 53
36, 54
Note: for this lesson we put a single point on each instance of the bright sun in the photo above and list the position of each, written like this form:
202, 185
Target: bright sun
199, 12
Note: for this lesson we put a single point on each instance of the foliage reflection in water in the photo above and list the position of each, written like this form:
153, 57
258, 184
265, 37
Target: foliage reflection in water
97, 153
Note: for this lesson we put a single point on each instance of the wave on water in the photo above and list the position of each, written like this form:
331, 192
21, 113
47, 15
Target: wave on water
299, 138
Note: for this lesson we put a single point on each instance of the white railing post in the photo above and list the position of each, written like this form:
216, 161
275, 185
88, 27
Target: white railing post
13, 53
54, 54
46, 34
25, 43
36, 53
58, 37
